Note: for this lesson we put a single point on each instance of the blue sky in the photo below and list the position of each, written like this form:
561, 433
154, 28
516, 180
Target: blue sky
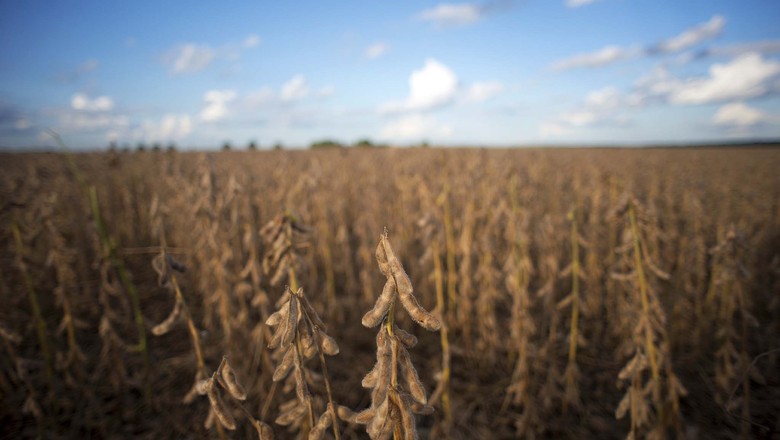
499, 72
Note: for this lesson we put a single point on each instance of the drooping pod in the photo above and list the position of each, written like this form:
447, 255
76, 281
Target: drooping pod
166, 326
231, 382
219, 407
373, 317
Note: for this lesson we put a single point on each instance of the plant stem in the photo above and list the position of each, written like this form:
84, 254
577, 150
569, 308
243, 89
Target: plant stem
445, 344
40, 324
119, 265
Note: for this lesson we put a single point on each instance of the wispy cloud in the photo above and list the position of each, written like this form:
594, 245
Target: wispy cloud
432, 86
764, 47
325, 91
294, 89
691, 37
82, 69
189, 58
252, 40
604, 56
746, 77
377, 50
578, 3
601, 107
613, 53
83, 122
446, 15
414, 127
483, 91
450, 15
170, 127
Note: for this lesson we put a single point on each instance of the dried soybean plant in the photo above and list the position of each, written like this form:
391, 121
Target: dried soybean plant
300, 333
299, 336
520, 269
653, 393
226, 378
431, 233
393, 405
284, 236
167, 268
571, 395
734, 320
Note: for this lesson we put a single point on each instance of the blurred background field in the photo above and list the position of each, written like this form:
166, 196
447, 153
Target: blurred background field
676, 253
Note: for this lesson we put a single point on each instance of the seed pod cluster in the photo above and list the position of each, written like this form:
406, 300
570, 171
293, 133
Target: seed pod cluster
393, 402
299, 335
218, 406
398, 285
282, 236
226, 378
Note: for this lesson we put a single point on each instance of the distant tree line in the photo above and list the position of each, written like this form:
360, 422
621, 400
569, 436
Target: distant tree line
253, 145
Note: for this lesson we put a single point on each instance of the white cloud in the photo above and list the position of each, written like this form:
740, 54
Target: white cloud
432, 86
189, 58
578, 3
82, 102
216, 102
744, 77
613, 53
414, 128
78, 121
737, 114
482, 91
605, 98
452, 14
692, 36
251, 41
604, 106
170, 127
606, 55
294, 89
377, 50
174, 127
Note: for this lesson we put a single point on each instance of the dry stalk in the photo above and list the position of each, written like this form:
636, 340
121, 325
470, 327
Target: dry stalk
661, 389
299, 335
734, 321
40, 324
393, 404
442, 390
571, 395
520, 270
